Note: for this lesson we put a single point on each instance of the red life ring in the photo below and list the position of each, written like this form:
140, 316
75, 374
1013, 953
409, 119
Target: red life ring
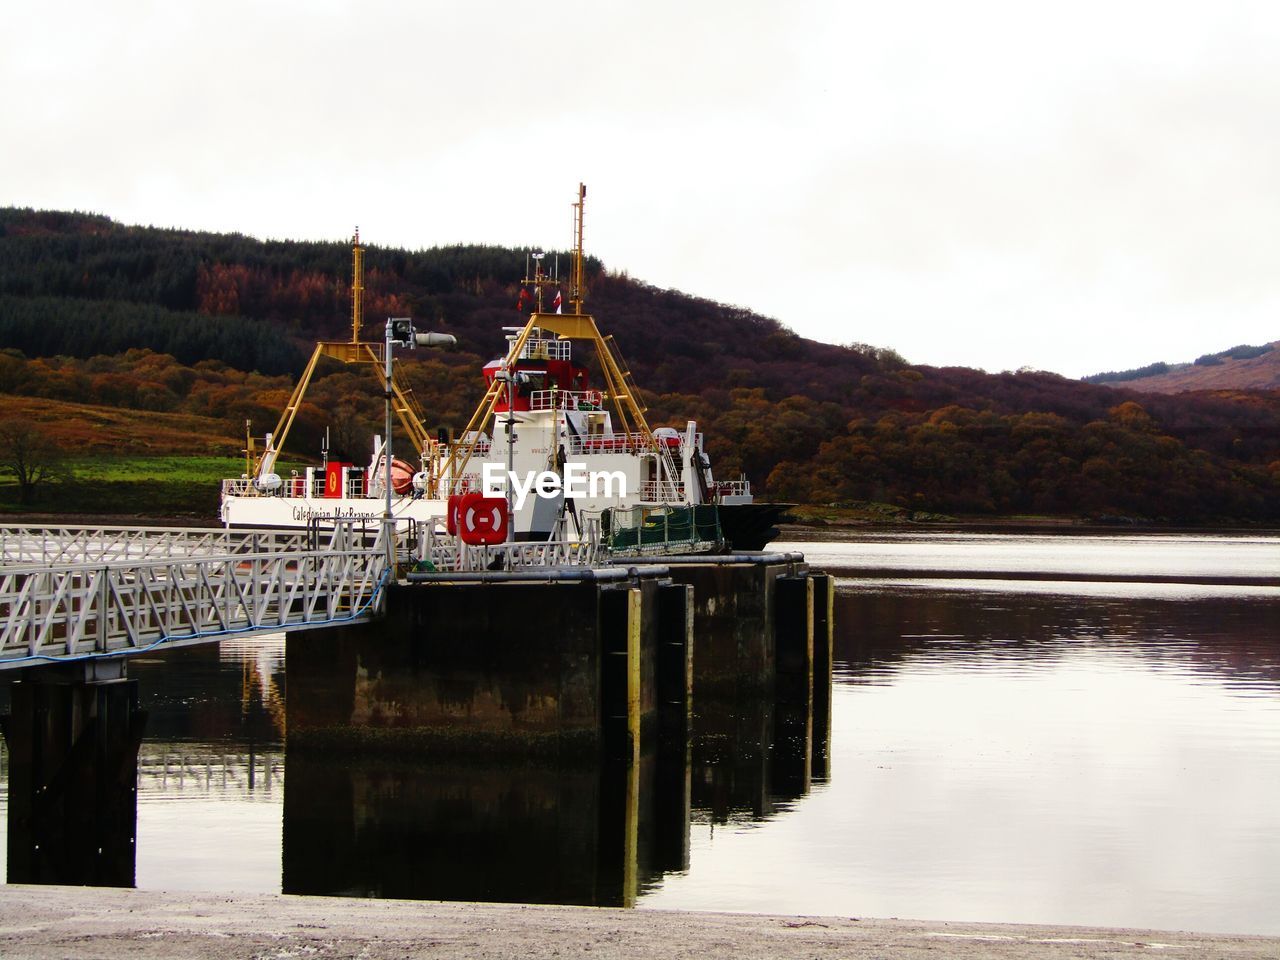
480, 519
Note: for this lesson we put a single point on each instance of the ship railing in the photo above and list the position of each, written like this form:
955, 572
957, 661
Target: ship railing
566, 400
289, 487
238, 487
732, 488
127, 606
628, 443
98, 544
355, 487
543, 348
662, 491
467, 483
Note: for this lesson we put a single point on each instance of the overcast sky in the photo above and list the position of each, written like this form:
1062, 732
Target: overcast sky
1072, 187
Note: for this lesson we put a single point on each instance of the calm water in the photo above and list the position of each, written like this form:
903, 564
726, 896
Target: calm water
1100, 751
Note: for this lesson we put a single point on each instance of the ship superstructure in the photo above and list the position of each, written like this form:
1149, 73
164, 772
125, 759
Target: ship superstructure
559, 448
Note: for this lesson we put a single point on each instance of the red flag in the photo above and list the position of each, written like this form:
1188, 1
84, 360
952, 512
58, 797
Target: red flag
556, 302
524, 299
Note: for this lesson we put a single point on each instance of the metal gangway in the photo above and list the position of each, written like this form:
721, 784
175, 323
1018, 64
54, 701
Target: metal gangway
83, 593
92, 544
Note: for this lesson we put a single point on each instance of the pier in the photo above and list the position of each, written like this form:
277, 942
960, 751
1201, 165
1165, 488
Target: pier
582, 674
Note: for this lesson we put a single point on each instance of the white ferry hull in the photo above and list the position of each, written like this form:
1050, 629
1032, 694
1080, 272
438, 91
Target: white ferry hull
290, 511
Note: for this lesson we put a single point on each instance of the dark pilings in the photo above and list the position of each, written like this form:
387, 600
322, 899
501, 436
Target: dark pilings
793, 637
675, 661
672, 782
733, 621
73, 752
824, 593
621, 619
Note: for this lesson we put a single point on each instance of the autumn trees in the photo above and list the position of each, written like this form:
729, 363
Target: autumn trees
29, 455
94, 312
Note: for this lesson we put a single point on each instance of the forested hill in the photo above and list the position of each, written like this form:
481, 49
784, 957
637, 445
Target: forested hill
1243, 367
218, 325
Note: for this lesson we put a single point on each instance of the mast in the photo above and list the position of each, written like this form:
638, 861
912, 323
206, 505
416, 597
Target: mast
575, 325
357, 286
353, 351
576, 272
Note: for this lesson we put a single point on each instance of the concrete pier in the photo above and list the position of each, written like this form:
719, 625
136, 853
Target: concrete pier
570, 662
583, 662
56, 923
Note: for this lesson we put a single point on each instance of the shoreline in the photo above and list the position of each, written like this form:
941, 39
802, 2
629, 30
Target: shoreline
835, 530
801, 529
46, 922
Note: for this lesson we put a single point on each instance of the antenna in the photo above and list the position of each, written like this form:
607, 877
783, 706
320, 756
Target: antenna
538, 278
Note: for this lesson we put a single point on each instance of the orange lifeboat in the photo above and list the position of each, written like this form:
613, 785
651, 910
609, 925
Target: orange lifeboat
401, 475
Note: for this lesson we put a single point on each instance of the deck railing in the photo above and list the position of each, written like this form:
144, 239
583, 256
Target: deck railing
566, 400
630, 443
544, 348
732, 488
662, 491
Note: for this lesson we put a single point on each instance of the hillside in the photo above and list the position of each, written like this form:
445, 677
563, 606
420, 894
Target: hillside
94, 430
1240, 368
217, 326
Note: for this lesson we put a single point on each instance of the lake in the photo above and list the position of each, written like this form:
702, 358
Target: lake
1048, 728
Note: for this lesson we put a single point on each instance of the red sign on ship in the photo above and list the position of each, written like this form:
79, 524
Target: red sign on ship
333, 478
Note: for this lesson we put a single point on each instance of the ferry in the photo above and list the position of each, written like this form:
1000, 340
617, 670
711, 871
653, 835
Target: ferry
560, 450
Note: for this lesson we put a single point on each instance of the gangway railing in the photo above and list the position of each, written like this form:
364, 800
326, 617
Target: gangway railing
441, 552
84, 610
94, 544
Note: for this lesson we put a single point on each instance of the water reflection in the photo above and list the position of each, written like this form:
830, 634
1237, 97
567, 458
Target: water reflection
1232, 641
1088, 753
544, 830
243, 812
497, 831
1112, 557
1058, 758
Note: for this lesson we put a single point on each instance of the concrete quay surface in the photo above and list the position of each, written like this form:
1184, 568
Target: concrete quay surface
41, 922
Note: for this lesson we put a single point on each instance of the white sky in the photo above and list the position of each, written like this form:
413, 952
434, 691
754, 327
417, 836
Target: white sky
1074, 187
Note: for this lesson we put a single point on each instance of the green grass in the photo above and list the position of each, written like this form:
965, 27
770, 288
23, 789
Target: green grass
171, 469
139, 488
